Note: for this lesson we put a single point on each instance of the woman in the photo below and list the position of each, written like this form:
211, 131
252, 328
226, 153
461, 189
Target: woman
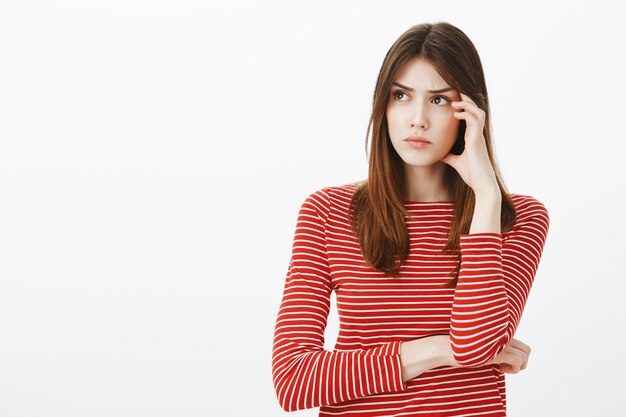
430, 258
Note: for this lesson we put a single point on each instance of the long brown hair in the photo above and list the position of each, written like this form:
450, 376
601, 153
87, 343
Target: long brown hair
376, 210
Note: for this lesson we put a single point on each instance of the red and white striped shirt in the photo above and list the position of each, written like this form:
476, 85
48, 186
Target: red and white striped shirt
362, 376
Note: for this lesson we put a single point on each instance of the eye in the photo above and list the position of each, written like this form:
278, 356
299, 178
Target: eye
446, 99
395, 94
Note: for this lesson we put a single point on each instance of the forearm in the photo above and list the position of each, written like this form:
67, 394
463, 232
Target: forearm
495, 277
487, 212
420, 355
480, 309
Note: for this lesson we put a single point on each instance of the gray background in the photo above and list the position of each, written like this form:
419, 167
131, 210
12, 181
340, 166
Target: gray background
154, 155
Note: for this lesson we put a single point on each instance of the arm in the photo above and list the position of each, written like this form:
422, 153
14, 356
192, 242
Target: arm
421, 355
487, 211
304, 374
495, 279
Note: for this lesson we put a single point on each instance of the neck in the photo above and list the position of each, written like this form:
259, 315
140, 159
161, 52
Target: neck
426, 183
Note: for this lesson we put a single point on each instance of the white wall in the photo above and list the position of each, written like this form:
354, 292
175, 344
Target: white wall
154, 154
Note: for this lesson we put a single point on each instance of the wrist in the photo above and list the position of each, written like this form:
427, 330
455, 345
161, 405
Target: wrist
488, 194
443, 355
420, 355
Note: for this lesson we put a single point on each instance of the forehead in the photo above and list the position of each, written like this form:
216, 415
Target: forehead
419, 73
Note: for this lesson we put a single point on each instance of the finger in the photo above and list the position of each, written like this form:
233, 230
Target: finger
525, 363
517, 348
469, 105
520, 345
465, 102
514, 361
503, 367
521, 355
507, 368
464, 115
467, 98
466, 107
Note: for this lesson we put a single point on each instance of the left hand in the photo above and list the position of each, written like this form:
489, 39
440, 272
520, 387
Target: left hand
513, 358
473, 164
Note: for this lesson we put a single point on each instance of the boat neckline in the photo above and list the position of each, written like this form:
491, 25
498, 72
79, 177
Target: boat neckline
427, 202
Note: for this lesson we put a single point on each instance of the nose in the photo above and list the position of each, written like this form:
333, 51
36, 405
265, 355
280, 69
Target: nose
419, 117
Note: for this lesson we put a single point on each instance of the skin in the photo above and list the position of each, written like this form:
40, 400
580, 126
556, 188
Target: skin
420, 355
436, 117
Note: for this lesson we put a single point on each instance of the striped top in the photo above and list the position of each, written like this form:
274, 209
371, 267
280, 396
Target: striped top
362, 376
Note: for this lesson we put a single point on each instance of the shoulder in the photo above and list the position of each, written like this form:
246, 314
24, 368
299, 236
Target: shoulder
526, 205
330, 198
334, 192
529, 210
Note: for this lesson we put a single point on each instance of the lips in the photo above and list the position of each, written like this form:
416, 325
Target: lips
417, 139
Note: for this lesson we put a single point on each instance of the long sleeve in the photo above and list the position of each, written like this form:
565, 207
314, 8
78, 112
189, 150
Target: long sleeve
495, 279
304, 374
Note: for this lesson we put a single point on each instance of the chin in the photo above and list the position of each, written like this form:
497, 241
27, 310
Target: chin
419, 162
418, 158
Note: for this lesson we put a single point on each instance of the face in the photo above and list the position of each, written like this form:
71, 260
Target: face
421, 113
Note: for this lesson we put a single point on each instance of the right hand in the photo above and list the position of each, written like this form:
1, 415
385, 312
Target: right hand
513, 358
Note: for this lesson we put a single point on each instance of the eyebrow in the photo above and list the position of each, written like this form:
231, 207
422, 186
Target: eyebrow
442, 90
